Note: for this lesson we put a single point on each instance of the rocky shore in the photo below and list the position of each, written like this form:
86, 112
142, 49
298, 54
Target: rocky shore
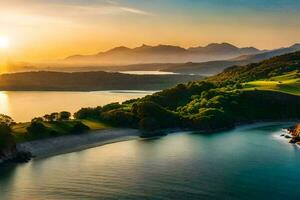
12, 155
294, 131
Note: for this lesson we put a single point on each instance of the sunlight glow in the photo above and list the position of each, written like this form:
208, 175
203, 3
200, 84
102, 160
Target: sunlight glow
4, 103
4, 42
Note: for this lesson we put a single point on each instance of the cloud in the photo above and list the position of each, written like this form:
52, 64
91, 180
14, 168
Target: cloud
134, 11
63, 12
102, 6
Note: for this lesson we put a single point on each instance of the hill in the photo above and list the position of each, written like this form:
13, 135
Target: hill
238, 95
266, 69
88, 81
264, 91
163, 54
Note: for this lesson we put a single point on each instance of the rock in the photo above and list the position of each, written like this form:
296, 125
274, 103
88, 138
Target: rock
23, 156
294, 140
282, 135
295, 130
288, 136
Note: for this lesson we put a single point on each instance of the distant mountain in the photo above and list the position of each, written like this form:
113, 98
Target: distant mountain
203, 68
215, 67
269, 54
224, 48
163, 54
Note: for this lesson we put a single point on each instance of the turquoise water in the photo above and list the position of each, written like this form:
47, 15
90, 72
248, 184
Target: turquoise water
251, 162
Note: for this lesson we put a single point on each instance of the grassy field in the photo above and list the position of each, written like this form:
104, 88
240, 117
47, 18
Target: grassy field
95, 125
60, 128
289, 83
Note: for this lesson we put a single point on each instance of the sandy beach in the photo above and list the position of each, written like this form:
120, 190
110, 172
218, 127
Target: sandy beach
70, 143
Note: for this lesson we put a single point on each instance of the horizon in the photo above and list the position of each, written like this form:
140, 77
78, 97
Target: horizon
50, 30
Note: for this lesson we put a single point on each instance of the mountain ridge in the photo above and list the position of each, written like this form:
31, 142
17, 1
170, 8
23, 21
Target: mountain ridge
164, 53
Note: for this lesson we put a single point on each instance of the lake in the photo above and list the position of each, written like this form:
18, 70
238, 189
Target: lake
250, 162
23, 106
147, 72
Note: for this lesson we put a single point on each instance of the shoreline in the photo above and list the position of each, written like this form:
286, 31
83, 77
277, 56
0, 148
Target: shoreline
72, 143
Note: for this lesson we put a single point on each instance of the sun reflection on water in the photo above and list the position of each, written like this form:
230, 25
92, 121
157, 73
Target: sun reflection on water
4, 103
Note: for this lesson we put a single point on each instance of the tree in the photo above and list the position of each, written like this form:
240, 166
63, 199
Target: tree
149, 124
161, 117
7, 142
79, 127
54, 116
111, 106
6, 119
37, 119
51, 117
36, 129
64, 115
47, 117
88, 113
119, 117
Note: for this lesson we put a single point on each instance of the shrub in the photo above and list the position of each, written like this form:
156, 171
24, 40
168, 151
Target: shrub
120, 117
79, 127
37, 129
6, 139
149, 110
64, 115
88, 113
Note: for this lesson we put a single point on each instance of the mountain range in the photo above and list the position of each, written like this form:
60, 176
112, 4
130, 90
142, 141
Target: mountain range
164, 54
215, 67
162, 58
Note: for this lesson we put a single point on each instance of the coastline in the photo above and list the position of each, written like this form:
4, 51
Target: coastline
72, 143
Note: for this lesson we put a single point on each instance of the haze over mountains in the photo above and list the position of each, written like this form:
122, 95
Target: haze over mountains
215, 67
161, 58
164, 54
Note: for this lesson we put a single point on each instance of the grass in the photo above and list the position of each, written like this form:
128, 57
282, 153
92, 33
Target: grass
94, 124
19, 131
288, 83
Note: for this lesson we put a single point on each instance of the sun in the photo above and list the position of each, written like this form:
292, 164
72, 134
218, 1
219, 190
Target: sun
4, 42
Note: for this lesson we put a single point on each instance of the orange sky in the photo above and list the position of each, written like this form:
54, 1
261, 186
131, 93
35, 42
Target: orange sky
46, 30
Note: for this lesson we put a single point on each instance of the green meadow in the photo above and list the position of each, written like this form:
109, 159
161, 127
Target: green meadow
288, 83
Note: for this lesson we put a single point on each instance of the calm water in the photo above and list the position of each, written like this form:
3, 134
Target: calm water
247, 163
147, 72
23, 106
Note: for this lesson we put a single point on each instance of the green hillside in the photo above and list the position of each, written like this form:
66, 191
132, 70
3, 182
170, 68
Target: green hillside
263, 91
277, 66
268, 90
288, 83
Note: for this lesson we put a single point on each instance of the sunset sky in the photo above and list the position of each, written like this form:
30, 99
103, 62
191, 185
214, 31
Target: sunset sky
51, 29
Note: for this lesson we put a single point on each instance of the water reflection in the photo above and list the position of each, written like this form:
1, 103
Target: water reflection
4, 103
23, 106
229, 165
